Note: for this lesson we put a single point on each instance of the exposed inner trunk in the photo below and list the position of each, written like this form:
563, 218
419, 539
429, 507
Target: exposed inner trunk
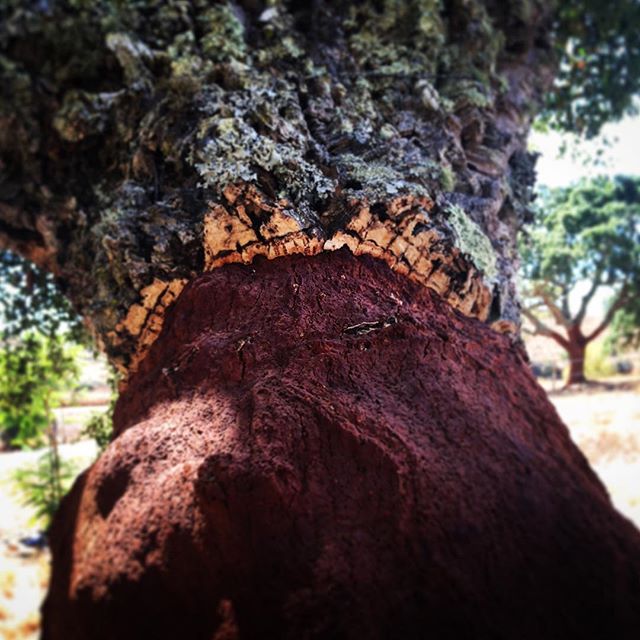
320, 448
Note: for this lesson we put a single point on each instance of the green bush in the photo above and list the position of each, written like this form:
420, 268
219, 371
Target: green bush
99, 428
100, 425
598, 364
44, 484
34, 370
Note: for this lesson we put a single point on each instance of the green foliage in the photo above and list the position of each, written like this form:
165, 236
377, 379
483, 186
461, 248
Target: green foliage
100, 425
599, 49
589, 231
44, 484
31, 300
34, 369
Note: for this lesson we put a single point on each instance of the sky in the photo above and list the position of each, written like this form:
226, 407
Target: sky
621, 156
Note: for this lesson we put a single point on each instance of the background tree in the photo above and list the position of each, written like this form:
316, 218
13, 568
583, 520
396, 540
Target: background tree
32, 301
587, 233
40, 336
34, 371
599, 44
625, 328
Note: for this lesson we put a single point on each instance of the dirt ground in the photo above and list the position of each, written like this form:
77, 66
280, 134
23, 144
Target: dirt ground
604, 421
24, 571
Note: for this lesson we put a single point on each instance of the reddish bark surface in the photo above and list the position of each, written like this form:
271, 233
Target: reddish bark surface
318, 448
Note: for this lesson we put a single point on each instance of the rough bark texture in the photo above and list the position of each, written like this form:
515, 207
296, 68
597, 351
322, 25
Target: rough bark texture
320, 448
142, 143
313, 446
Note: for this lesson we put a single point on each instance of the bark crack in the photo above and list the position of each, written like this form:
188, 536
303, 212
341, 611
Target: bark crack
362, 328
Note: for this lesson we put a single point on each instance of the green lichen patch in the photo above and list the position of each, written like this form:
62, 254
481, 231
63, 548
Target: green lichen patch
381, 179
401, 39
255, 132
83, 114
473, 241
224, 34
447, 178
470, 93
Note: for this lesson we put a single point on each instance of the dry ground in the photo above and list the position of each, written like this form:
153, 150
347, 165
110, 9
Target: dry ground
604, 422
24, 572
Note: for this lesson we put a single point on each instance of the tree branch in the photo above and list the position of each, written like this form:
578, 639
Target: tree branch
620, 301
556, 312
542, 329
586, 299
565, 303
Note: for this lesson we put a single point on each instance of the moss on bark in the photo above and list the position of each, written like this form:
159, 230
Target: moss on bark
123, 123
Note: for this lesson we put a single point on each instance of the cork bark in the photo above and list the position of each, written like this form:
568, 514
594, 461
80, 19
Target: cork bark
142, 145
317, 447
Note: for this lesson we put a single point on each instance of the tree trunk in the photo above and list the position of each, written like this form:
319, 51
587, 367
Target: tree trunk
577, 353
317, 447
293, 229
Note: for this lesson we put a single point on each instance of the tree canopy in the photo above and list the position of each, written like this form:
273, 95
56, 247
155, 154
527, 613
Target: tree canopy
587, 232
32, 301
599, 72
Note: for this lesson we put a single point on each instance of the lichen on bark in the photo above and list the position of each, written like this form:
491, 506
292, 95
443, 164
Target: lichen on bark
125, 125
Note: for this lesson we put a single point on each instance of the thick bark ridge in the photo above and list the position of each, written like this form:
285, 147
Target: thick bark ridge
143, 143
316, 447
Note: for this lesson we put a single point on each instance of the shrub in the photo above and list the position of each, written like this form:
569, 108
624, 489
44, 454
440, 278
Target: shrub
598, 364
44, 484
34, 369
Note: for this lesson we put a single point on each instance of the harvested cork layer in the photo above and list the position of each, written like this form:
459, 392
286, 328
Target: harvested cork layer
317, 447
402, 233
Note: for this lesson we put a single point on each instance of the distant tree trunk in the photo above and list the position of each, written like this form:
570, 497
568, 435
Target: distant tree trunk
293, 229
576, 350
